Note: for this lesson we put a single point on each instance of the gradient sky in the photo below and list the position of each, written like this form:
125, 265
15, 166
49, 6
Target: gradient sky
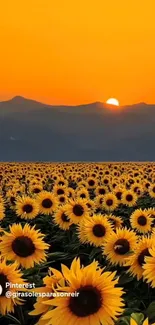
74, 52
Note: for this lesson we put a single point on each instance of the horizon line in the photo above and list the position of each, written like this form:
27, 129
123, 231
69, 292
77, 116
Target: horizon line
75, 105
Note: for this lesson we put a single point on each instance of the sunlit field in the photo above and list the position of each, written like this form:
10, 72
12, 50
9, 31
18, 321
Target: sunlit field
78, 243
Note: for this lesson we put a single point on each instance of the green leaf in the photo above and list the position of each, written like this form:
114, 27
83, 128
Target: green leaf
138, 317
129, 311
150, 311
125, 278
124, 321
15, 320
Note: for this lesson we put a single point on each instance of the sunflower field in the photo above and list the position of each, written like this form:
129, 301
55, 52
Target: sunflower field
77, 243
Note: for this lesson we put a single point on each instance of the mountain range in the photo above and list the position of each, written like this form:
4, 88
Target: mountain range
32, 131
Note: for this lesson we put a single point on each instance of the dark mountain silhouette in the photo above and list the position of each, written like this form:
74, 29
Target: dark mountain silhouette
32, 131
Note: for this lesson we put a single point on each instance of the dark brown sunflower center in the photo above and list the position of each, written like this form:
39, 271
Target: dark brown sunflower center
119, 195
60, 191
64, 217
131, 181
142, 255
47, 203
62, 199
99, 230
91, 182
142, 221
28, 208
61, 183
78, 210
88, 302
23, 246
109, 202
153, 189
36, 190
121, 246
82, 195
129, 197
89, 205
12, 199
105, 181
3, 280
101, 191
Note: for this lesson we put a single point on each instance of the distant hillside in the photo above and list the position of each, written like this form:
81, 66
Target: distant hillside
31, 131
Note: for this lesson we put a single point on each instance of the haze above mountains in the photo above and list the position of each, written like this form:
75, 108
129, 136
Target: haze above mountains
32, 131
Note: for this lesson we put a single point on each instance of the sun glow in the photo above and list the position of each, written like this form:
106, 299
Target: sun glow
112, 101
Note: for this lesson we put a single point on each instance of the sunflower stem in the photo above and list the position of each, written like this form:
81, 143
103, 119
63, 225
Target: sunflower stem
21, 316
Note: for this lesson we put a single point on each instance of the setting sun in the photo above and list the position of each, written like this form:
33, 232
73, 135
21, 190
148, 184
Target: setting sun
113, 101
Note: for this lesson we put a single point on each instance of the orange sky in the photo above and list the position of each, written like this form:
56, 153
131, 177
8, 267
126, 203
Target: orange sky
73, 52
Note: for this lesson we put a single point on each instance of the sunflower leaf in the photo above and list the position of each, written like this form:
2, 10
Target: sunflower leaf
129, 311
124, 321
125, 278
138, 317
150, 311
14, 319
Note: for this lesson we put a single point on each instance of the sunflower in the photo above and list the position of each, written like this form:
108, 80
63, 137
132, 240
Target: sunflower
24, 245
82, 193
94, 230
81, 232
145, 322
2, 211
105, 181
151, 212
101, 190
61, 181
118, 245
11, 274
76, 210
53, 278
1, 231
137, 188
47, 202
99, 201
61, 218
92, 297
35, 189
113, 184
11, 197
152, 190
129, 198
59, 190
82, 183
2, 200
62, 199
137, 260
26, 208
91, 206
117, 222
91, 182
141, 221
110, 202
149, 267
71, 192
118, 191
